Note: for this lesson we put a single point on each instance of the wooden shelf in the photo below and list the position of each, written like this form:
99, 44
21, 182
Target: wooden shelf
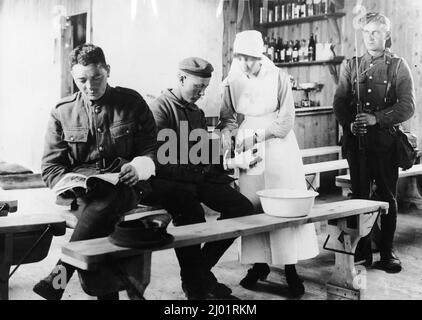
301, 112
334, 15
336, 61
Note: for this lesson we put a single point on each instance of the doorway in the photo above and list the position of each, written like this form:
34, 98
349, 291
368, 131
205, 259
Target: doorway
74, 33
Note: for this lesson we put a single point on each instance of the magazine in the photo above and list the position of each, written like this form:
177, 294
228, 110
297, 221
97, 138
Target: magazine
76, 180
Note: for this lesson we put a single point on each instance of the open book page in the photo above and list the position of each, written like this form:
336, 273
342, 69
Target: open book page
70, 181
75, 180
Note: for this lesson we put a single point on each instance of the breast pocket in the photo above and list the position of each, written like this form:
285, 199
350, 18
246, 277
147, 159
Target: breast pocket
77, 139
122, 135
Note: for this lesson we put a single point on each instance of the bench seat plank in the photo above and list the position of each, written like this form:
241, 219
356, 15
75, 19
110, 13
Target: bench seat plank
88, 254
414, 171
321, 151
326, 166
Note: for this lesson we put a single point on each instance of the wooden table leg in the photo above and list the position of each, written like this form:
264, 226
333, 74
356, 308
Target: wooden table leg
346, 282
4, 281
6, 255
408, 192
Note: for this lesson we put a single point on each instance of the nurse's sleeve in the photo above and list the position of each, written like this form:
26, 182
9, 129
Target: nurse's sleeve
228, 119
286, 109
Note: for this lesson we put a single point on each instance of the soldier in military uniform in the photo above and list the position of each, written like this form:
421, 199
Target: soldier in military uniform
96, 130
387, 96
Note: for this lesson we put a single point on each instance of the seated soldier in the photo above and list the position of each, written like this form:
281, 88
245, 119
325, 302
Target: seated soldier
186, 183
87, 133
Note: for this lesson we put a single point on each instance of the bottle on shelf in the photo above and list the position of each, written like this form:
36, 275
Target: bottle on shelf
297, 7
283, 6
288, 10
295, 55
270, 11
266, 45
304, 48
263, 13
324, 6
303, 12
279, 47
309, 8
317, 48
277, 11
272, 48
283, 48
311, 48
317, 7
289, 52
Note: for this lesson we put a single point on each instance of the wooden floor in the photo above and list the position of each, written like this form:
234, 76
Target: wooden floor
165, 283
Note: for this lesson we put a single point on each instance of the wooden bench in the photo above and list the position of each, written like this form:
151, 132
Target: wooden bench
408, 192
25, 239
348, 221
313, 170
321, 151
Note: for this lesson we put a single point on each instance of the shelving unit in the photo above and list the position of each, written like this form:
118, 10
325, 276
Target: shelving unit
335, 61
334, 15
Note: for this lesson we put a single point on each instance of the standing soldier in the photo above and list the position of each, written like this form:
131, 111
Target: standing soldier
388, 99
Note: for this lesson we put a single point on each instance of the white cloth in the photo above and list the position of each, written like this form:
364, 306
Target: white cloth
257, 98
144, 166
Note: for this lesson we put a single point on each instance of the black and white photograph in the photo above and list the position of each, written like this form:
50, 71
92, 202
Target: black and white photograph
228, 151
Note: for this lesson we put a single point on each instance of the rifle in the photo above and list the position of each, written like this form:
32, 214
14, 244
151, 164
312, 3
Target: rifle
363, 180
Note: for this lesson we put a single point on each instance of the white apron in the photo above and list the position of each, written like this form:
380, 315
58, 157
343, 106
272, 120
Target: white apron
282, 167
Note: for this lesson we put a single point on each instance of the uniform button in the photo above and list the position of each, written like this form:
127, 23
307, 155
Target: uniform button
127, 131
370, 77
97, 110
369, 90
101, 148
99, 130
371, 64
368, 104
72, 138
385, 81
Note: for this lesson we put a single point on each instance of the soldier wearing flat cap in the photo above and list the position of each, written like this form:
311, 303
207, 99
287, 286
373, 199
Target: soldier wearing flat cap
184, 186
387, 95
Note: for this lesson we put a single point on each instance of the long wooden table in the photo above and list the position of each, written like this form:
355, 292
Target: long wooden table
25, 239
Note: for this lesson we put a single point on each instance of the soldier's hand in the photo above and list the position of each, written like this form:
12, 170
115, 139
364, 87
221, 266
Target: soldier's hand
358, 130
128, 175
365, 119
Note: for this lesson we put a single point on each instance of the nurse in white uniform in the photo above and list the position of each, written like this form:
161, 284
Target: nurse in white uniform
258, 104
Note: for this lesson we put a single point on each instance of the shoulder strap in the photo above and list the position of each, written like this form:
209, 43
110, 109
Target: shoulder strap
392, 74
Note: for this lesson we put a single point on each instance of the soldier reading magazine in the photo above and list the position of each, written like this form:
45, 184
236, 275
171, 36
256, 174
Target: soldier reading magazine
98, 130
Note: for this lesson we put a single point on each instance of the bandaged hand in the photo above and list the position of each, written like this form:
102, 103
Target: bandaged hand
244, 160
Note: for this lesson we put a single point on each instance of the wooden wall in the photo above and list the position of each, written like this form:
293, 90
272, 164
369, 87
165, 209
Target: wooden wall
30, 73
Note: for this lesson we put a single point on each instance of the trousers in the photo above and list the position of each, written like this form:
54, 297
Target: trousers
183, 202
379, 183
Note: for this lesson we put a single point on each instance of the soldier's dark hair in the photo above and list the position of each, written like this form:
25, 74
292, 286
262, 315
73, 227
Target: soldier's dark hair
87, 54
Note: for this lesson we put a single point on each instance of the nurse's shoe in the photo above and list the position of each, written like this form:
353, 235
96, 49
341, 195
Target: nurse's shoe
259, 271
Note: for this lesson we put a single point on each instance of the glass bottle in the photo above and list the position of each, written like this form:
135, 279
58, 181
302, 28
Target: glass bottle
311, 48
